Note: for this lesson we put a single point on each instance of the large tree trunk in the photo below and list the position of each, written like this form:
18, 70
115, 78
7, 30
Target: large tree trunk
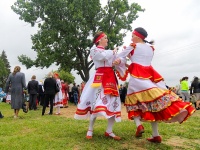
84, 71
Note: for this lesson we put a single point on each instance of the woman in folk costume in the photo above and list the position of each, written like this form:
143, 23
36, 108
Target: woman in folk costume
64, 94
147, 98
58, 96
100, 96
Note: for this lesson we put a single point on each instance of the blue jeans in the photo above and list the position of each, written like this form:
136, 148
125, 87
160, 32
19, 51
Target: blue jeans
75, 98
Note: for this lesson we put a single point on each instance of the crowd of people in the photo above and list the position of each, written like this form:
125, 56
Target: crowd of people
188, 92
37, 93
146, 97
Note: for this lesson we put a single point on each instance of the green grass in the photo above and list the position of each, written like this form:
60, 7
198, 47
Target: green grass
35, 132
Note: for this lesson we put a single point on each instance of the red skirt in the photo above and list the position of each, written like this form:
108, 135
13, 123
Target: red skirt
64, 101
144, 72
173, 109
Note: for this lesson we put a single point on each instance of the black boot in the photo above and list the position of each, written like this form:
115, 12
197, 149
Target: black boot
1, 116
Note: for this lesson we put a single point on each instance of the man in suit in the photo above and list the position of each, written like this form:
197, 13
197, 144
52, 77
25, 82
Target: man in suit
75, 93
49, 91
32, 90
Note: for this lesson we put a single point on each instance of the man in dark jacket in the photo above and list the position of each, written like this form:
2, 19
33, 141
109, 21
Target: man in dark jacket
49, 91
75, 93
32, 90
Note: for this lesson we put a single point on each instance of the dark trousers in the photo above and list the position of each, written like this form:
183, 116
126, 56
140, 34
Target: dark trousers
48, 99
41, 99
123, 97
75, 95
32, 101
71, 97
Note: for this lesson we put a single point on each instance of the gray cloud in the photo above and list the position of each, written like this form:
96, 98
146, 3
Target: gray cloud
174, 25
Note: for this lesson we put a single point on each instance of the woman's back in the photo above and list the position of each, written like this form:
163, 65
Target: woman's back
49, 86
143, 54
17, 80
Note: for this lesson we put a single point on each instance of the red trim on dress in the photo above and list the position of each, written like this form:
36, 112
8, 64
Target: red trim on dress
166, 114
144, 72
133, 45
124, 77
152, 47
98, 109
104, 109
101, 47
83, 111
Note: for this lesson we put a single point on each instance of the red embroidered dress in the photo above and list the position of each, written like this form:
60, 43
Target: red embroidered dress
64, 94
147, 95
100, 96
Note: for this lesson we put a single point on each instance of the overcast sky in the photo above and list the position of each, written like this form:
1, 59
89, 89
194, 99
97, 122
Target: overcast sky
174, 25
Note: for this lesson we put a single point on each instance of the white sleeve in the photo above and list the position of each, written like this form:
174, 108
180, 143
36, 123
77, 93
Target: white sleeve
125, 52
121, 69
99, 54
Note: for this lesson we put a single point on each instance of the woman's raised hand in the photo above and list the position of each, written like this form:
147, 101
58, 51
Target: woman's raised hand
116, 61
115, 50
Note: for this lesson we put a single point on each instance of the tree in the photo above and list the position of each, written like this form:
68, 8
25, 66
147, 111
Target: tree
66, 76
5, 69
67, 26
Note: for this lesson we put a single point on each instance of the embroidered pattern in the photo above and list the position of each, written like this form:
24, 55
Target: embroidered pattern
104, 100
88, 103
154, 106
94, 102
115, 104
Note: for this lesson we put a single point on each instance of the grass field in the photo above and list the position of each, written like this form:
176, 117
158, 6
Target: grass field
32, 131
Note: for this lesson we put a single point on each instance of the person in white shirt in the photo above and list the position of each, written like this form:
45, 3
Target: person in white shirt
100, 96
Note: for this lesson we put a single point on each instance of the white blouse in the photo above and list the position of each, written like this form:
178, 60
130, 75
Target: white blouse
102, 57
